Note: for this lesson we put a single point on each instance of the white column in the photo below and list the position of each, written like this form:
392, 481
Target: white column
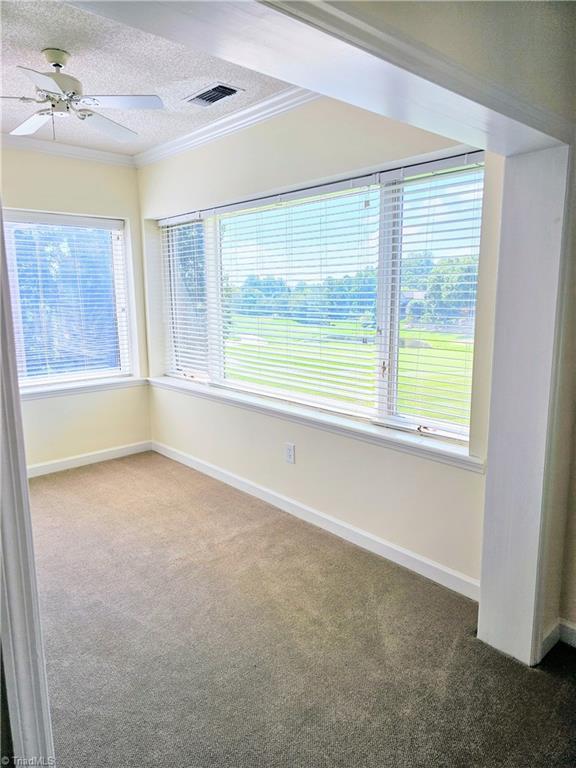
22, 648
523, 380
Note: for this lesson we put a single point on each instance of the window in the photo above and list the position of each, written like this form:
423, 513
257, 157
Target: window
357, 297
69, 295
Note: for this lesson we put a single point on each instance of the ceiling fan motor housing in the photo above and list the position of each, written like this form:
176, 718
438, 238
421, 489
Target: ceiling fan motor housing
58, 58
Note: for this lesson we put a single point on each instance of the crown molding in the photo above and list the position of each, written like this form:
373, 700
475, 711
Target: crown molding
65, 150
264, 110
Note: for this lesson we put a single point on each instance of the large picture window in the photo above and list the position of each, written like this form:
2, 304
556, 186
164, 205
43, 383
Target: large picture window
68, 285
358, 297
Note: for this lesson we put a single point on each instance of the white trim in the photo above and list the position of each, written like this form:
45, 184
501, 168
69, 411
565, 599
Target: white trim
22, 644
423, 446
82, 459
65, 150
80, 387
447, 577
413, 55
27, 216
563, 631
551, 637
568, 632
237, 121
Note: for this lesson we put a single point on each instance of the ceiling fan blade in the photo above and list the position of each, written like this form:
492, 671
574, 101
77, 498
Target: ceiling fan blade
121, 102
105, 125
42, 81
22, 98
32, 124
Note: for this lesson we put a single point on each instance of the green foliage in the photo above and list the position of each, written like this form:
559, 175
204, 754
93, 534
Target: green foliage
451, 291
309, 302
415, 310
445, 294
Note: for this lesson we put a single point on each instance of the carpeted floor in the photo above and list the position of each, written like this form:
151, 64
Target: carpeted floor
190, 625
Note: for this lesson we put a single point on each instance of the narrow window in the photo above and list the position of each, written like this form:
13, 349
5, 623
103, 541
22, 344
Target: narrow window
185, 306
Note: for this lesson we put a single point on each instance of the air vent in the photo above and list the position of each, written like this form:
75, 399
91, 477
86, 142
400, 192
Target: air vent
209, 96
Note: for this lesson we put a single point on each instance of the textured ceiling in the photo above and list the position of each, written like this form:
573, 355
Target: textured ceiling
108, 57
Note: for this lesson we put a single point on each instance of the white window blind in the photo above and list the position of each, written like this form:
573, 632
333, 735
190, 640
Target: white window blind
183, 247
359, 297
69, 297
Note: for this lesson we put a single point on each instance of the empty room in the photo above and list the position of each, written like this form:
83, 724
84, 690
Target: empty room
287, 379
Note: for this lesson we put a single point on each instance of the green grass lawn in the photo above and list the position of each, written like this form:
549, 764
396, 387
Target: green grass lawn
434, 367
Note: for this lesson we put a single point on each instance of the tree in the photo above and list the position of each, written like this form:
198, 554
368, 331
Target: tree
451, 292
415, 272
415, 310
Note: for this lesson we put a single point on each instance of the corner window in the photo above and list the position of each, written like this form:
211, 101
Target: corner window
358, 298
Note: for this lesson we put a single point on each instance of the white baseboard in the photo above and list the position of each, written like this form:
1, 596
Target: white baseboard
551, 637
447, 577
47, 467
568, 632
564, 631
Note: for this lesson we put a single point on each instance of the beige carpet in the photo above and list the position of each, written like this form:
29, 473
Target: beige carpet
188, 624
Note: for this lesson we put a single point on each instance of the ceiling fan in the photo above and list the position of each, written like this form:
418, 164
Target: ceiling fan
63, 98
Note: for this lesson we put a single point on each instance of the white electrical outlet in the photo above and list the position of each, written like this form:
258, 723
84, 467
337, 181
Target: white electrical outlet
290, 453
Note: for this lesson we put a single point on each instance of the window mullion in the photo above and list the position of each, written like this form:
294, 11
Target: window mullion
214, 319
388, 299
171, 304
126, 345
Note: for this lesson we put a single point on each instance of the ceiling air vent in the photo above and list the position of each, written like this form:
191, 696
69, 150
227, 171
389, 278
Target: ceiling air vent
209, 96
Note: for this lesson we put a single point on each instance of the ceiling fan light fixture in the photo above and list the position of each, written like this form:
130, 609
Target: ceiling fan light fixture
61, 109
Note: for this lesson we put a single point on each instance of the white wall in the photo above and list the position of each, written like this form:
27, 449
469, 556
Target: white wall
319, 141
64, 426
431, 509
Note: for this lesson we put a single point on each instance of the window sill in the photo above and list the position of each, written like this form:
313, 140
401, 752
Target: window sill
423, 446
80, 387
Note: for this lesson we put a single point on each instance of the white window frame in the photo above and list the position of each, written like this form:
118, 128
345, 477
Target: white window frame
128, 353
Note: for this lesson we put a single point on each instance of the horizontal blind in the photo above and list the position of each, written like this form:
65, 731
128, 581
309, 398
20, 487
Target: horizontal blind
184, 263
431, 243
355, 298
69, 298
298, 298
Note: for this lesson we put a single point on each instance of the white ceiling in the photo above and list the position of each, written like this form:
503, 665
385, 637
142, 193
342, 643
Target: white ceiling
109, 57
